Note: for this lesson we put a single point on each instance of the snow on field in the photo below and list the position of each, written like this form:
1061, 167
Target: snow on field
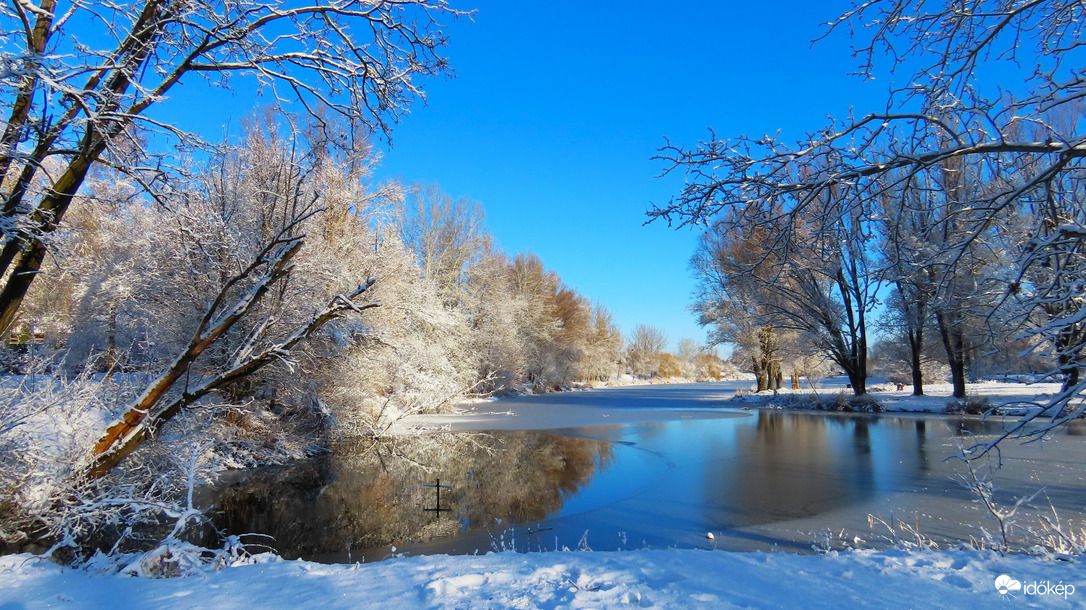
936, 395
662, 578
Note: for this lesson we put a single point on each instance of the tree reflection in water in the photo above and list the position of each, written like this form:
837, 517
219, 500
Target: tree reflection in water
370, 494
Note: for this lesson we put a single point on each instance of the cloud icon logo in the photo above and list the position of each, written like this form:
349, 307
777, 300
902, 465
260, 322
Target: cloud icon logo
1005, 584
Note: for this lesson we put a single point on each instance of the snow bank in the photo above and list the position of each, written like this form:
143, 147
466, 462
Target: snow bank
661, 578
936, 395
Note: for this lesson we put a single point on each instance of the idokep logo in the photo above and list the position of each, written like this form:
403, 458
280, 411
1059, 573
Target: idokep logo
1005, 585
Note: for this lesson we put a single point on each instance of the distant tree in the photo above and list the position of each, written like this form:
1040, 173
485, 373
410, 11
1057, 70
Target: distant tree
643, 350
908, 316
670, 366
906, 252
531, 327
759, 273
892, 358
708, 367
574, 314
603, 350
495, 312
537, 324
447, 235
689, 350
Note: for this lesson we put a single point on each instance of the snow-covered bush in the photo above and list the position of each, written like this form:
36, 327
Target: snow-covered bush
841, 401
974, 405
47, 425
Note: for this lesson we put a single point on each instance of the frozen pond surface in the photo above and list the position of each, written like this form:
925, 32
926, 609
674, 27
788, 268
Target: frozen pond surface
758, 480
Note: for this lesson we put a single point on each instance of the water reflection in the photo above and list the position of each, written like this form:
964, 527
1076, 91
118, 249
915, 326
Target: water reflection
757, 482
370, 495
765, 482
796, 465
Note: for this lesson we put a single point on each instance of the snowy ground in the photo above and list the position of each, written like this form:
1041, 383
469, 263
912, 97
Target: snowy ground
1019, 398
630, 404
581, 579
612, 405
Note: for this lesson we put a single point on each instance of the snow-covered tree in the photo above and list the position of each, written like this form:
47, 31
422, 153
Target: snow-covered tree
447, 236
644, 349
688, 352
761, 272
254, 303
74, 100
494, 315
603, 349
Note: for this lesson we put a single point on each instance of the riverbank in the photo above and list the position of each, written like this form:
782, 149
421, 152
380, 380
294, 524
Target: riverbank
630, 404
579, 579
1005, 397
633, 404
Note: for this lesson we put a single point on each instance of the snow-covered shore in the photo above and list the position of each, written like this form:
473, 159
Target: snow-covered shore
630, 404
710, 400
579, 579
1008, 397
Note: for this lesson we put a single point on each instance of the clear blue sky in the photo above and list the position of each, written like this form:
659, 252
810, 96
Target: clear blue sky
557, 109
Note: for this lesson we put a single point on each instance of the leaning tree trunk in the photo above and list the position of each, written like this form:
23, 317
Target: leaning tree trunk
161, 401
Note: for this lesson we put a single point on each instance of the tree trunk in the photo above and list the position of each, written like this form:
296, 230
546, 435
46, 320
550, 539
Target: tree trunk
918, 378
952, 343
1067, 363
916, 347
858, 379
51, 210
1071, 379
915, 313
957, 375
111, 343
761, 376
1070, 372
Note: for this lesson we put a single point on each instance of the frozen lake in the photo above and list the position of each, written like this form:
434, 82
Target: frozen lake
758, 480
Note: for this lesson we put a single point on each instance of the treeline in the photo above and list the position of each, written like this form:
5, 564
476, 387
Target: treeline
917, 284
130, 282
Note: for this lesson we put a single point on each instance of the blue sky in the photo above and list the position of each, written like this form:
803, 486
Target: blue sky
556, 110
